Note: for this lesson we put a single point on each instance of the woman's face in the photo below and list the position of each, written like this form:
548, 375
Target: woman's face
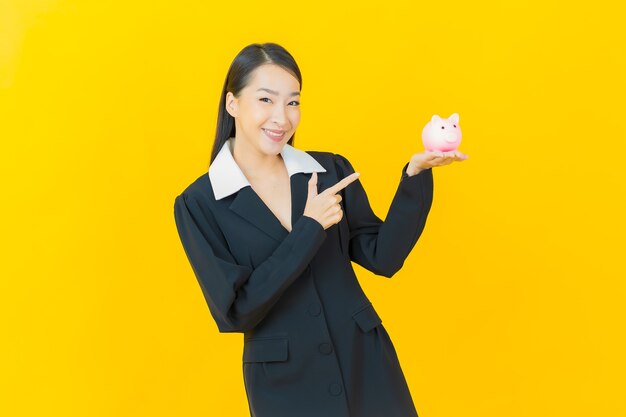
267, 111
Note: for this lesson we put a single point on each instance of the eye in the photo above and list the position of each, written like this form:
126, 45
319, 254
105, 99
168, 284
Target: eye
442, 127
454, 126
297, 103
264, 98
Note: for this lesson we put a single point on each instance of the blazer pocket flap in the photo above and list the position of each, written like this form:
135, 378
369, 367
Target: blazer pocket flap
266, 350
367, 318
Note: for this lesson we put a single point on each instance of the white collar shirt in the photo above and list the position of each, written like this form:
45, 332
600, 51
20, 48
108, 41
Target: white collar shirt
227, 178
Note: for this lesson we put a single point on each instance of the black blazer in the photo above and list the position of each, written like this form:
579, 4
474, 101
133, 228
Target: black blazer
313, 343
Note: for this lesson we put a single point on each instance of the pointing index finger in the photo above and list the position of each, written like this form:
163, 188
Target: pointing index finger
343, 183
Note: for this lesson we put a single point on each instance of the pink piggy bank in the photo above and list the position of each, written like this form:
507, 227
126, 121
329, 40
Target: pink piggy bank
442, 134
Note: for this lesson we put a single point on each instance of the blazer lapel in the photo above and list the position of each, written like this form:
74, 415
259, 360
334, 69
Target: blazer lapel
249, 205
299, 193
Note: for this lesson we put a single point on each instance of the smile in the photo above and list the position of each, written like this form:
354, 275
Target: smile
273, 135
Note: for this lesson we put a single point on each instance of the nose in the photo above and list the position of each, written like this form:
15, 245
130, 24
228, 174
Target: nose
280, 117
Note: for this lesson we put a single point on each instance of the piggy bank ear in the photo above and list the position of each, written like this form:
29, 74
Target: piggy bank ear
435, 118
454, 118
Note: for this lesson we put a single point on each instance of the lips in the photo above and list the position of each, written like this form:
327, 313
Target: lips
274, 134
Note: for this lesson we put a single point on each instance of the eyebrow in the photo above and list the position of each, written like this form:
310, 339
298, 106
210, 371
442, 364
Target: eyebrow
295, 93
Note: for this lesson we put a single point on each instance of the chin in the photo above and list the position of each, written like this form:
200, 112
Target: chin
272, 148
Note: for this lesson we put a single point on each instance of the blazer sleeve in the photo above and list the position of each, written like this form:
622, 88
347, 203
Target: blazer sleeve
382, 246
239, 296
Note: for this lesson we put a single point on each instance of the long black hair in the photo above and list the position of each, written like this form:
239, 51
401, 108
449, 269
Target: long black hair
239, 74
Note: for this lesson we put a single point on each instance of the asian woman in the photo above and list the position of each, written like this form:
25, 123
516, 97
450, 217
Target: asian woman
271, 232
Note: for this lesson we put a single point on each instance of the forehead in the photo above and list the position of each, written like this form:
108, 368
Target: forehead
275, 78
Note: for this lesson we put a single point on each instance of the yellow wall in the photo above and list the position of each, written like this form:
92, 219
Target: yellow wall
512, 302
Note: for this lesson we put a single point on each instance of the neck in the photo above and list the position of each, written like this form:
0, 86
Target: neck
254, 163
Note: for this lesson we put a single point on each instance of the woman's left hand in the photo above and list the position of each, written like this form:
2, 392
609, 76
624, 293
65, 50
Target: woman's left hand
428, 159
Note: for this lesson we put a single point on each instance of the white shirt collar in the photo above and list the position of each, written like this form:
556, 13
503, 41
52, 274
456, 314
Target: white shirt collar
227, 178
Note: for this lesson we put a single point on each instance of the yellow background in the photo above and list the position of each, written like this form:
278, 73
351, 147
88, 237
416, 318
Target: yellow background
512, 302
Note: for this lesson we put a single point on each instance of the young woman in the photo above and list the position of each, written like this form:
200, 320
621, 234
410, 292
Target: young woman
271, 231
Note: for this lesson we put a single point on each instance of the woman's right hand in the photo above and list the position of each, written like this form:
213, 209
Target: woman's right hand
324, 207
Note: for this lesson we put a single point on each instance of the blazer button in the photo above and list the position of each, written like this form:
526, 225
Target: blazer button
334, 389
315, 309
325, 348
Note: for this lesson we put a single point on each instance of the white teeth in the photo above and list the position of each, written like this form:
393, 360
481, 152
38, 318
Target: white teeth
273, 134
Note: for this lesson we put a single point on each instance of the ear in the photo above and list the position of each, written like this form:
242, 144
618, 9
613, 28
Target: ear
454, 118
435, 118
232, 104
